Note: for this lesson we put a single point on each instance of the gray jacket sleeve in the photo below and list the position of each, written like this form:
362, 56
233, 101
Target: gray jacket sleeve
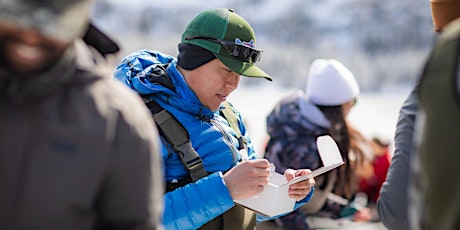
392, 203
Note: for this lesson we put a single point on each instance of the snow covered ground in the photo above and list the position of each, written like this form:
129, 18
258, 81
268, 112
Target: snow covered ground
375, 113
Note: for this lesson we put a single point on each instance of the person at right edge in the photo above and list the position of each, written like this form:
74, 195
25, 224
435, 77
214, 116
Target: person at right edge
424, 194
437, 140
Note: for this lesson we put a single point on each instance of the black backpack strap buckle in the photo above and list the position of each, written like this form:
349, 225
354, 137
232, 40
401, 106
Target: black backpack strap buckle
178, 137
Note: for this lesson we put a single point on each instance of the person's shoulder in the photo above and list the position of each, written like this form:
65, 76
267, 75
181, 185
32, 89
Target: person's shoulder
451, 31
113, 97
119, 95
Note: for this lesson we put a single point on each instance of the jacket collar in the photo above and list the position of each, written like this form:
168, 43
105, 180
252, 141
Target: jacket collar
20, 89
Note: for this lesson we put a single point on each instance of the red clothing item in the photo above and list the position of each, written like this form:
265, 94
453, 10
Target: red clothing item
372, 186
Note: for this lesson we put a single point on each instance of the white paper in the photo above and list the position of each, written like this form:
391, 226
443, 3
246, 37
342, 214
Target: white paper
275, 200
330, 156
328, 150
314, 173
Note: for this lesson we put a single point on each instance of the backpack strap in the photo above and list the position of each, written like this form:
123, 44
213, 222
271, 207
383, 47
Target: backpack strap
176, 135
230, 115
179, 138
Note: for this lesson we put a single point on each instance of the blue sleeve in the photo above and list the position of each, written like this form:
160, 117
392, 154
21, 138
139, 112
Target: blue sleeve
190, 207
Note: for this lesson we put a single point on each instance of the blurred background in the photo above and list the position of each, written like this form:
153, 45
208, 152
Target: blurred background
384, 43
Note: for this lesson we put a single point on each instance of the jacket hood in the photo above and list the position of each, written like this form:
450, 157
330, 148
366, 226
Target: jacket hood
140, 71
100, 41
295, 116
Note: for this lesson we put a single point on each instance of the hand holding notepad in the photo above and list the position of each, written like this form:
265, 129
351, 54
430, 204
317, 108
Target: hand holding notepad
275, 200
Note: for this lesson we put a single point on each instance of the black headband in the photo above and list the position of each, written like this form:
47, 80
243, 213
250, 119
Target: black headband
193, 56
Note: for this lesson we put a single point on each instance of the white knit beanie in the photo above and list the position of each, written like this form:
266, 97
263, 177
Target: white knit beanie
330, 83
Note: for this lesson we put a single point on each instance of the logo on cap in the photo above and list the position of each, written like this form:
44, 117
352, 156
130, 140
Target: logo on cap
249, 44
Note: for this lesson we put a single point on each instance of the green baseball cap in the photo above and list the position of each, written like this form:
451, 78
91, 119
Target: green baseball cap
229, 37
61, 19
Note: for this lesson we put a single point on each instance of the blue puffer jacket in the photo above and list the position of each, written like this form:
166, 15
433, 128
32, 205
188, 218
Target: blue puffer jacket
191, 206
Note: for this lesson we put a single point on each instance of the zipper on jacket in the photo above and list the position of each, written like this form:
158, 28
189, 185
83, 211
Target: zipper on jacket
227, 139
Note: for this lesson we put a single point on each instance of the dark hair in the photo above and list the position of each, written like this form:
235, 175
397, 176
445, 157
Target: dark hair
340, 133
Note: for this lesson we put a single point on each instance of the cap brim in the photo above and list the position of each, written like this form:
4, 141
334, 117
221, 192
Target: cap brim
243, 68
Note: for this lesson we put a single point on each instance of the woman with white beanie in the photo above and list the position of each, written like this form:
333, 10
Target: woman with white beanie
296, 122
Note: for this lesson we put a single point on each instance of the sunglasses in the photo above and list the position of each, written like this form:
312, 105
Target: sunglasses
355, 101
239, 51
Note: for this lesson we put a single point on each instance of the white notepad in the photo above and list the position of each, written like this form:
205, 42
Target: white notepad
330, 156
275, 200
